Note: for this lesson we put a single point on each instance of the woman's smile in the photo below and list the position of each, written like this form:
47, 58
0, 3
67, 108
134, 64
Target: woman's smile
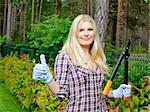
85, 35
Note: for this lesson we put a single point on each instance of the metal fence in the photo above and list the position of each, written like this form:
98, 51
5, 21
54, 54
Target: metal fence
32, 52
138, 63
138, 67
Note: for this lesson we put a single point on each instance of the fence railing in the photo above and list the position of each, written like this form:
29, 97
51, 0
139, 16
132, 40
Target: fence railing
138, 63
32, 52
138, 67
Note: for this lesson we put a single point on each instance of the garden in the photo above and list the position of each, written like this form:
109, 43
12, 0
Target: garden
42, 27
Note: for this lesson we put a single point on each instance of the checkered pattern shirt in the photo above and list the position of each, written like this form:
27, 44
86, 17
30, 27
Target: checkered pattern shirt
83, 87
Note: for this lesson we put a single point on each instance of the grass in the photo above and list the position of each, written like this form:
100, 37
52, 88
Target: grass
8, 102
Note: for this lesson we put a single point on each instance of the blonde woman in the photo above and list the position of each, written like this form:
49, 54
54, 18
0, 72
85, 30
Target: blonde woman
80, 68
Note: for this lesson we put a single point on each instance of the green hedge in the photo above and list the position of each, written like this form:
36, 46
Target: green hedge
36, 97
17, 75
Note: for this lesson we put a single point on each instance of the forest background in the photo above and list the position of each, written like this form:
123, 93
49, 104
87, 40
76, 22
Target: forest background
23, 21
44, 25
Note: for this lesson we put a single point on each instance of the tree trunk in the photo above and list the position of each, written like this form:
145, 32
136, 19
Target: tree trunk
70, 4
5, 18
37, 10
91, 11
21, 20
32, 18
0, 27
12, 24
14, 19
88, 7
126, 21
118, 26
9, 20
40, 12
58, 6
25, 20
1, 16
101, 18
149, 29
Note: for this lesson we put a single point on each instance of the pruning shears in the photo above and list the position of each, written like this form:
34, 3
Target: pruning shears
124, 55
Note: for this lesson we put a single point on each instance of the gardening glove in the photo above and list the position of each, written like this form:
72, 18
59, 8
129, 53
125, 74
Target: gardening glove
123, 90
127, 90
41, 71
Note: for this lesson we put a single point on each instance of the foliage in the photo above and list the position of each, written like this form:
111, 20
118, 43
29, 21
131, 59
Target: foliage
4, 40
34, 96
138, 69
51, 33
139, 100
146, 1
138, 66
110, 54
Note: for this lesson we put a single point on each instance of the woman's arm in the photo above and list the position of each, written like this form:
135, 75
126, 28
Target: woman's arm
54, 87
58, 86
110, 94
122, 90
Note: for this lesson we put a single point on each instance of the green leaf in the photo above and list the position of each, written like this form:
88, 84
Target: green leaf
135, 100
126, 110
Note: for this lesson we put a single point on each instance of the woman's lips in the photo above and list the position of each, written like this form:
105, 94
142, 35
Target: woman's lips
86, 39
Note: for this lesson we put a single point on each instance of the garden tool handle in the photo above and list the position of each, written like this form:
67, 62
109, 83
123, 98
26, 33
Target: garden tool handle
107, 87
126, 56
121, 57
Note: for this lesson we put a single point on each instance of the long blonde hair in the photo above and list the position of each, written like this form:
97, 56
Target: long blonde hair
73, 48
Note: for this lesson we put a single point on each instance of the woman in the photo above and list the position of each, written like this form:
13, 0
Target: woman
80, 68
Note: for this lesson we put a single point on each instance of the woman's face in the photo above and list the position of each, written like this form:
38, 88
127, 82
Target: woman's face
85, 35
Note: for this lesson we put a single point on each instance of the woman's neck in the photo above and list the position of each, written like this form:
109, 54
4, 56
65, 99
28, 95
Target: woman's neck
86, 50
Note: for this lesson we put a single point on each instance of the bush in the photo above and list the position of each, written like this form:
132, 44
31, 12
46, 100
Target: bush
51, 33
34, 96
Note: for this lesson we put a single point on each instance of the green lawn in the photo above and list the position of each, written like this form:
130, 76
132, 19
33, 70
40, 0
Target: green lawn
8, 103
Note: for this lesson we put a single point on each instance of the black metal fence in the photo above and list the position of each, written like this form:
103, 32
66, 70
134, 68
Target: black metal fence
32, 52
138, 63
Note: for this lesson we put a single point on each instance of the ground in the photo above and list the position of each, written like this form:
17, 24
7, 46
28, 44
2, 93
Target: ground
8, 102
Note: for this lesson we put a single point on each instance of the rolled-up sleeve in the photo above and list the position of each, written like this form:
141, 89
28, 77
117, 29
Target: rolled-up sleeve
61, 70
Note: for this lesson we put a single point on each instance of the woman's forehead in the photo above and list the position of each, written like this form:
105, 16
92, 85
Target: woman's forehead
82, 23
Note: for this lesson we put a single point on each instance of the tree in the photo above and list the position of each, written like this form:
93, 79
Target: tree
1, 15
91, 8
101, 18
9, 20
118, 25
58, 6
37, 10
5, 18
21, 19
14, 16
32, 17
40, 12
25, 20
148, 28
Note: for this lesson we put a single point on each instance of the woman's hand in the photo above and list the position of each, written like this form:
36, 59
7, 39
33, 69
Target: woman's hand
123, 90
41, 71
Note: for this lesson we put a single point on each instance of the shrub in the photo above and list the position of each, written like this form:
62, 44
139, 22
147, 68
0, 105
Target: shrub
34, 96
51, 33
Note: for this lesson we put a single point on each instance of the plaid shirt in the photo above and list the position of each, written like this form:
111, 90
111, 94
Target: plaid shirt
82, 86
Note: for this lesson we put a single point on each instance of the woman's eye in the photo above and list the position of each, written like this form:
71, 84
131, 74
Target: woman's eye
81, 30
90, 29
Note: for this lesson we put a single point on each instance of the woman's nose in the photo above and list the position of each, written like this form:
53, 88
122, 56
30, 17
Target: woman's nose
86, 32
